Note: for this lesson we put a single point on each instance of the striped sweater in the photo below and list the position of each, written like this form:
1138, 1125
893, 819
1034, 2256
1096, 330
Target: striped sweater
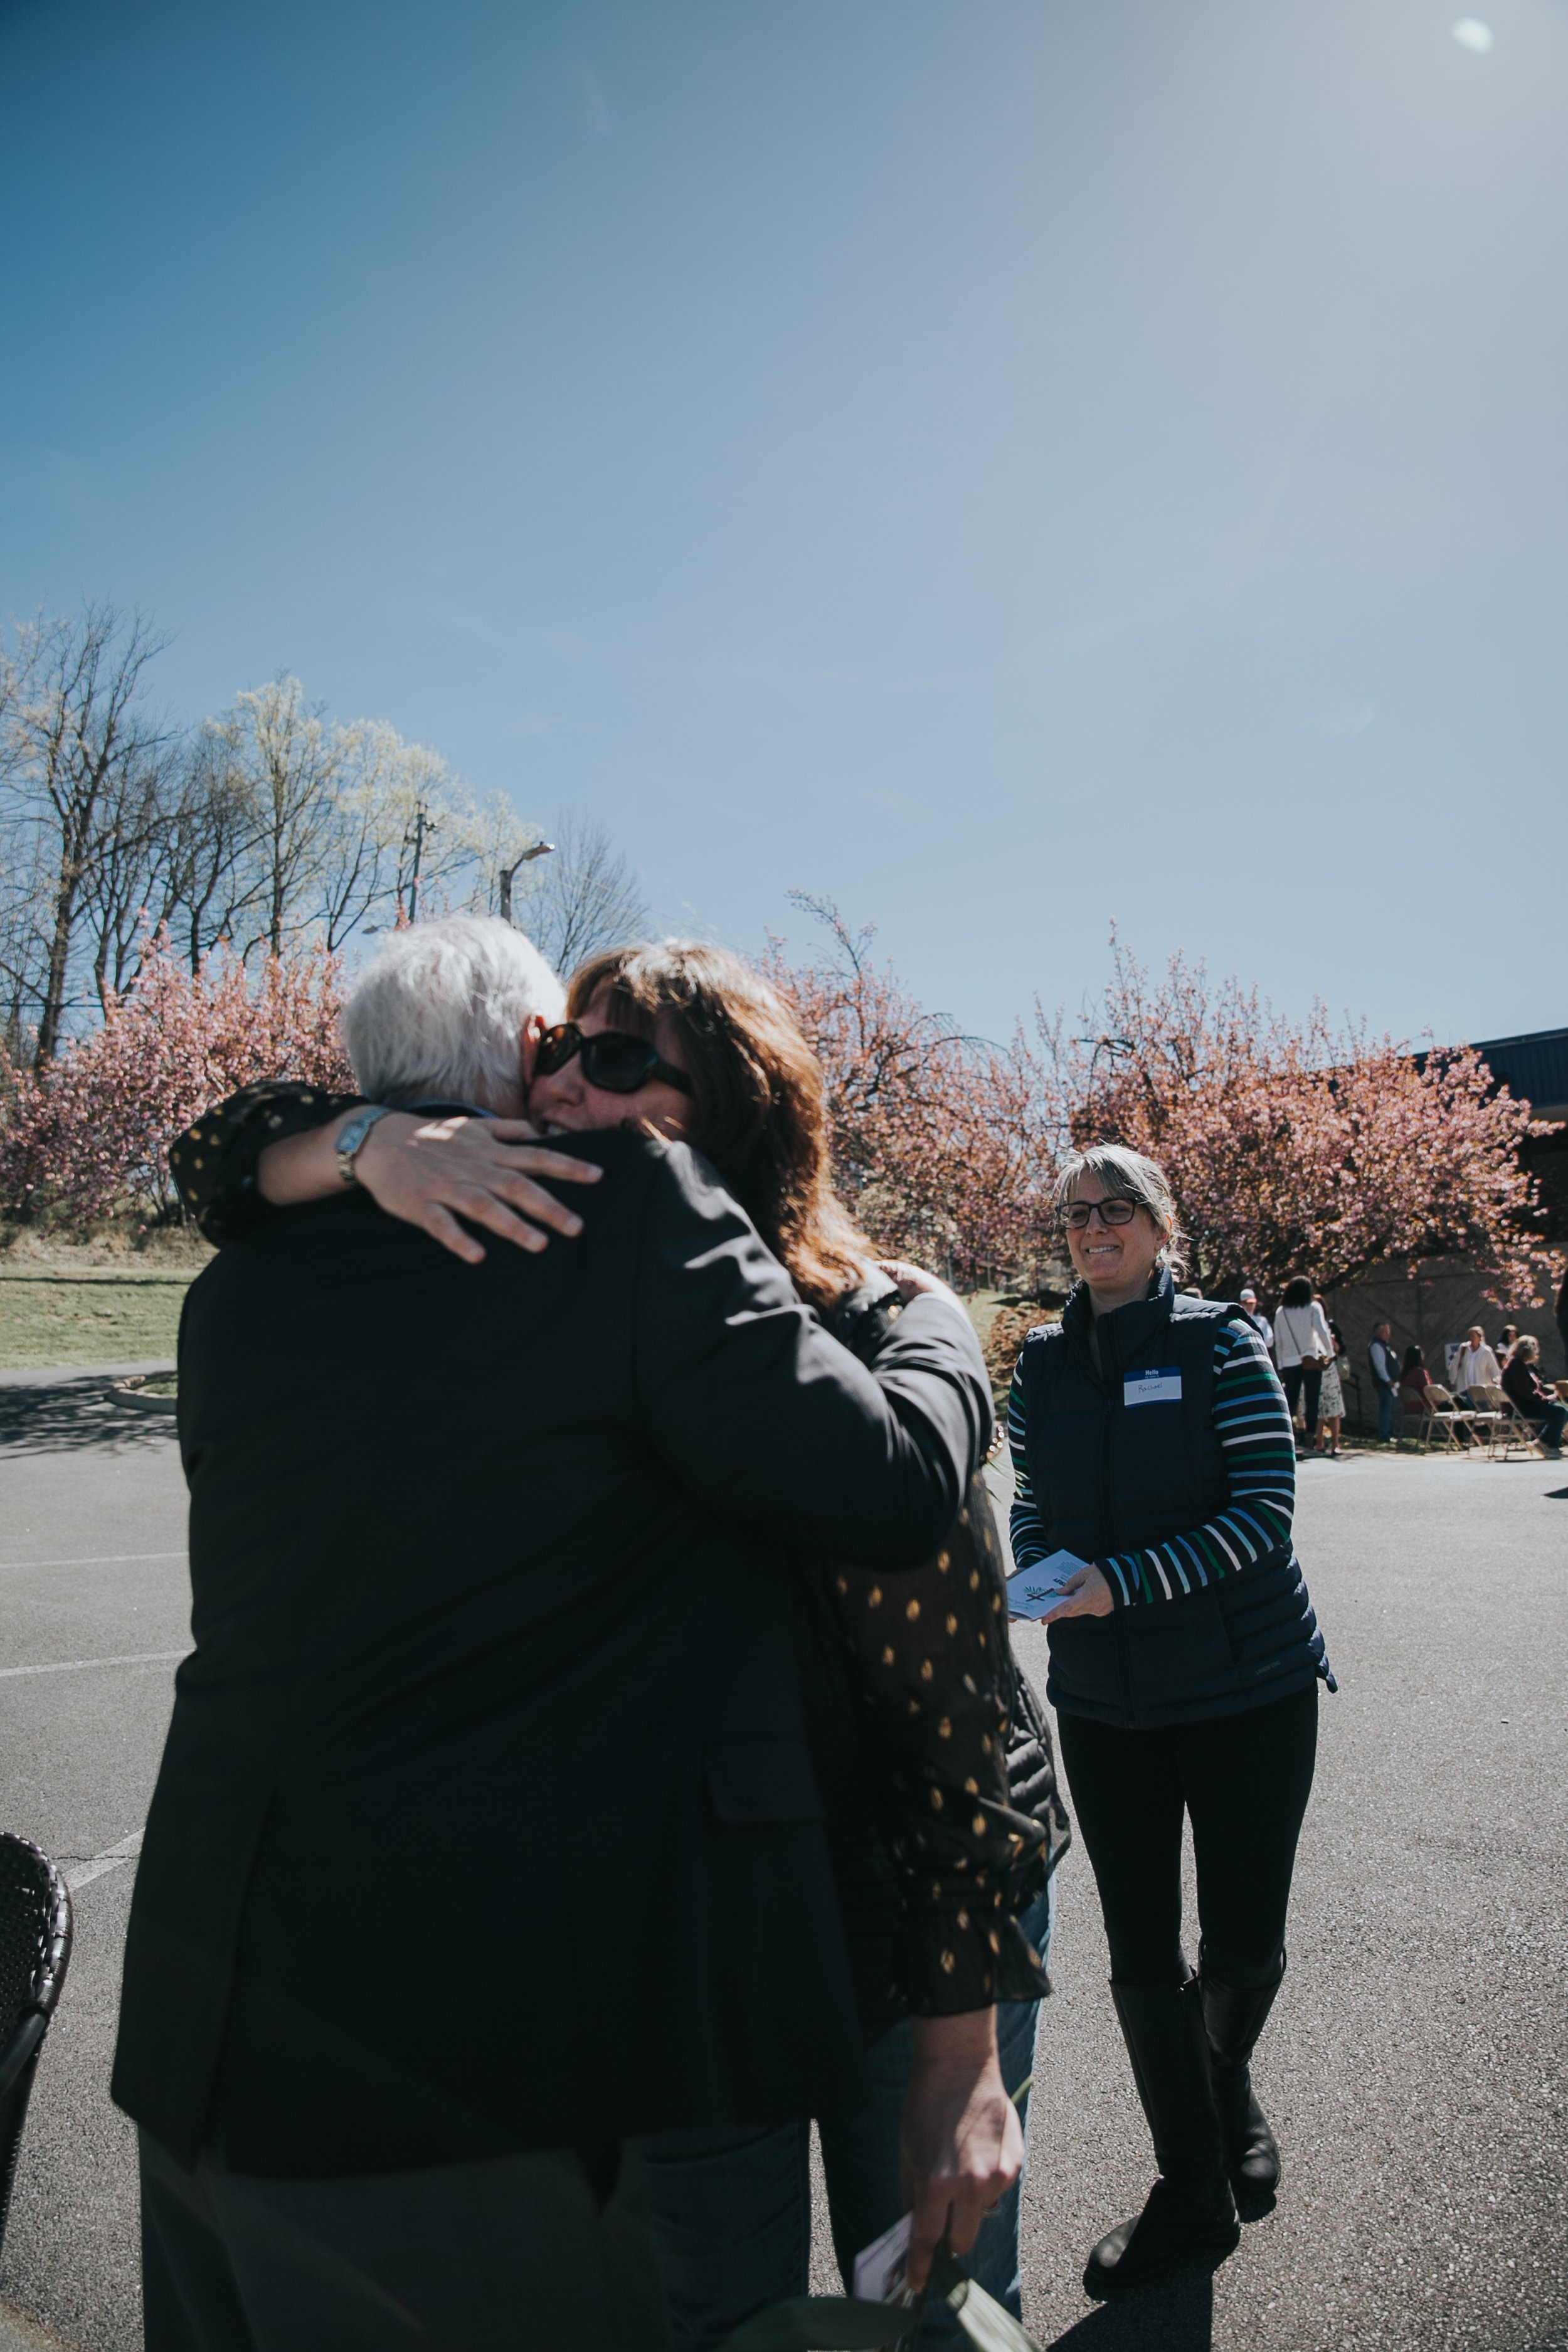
1252, 1422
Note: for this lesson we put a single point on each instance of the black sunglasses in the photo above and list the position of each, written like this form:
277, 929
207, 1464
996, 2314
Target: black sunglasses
612, 1058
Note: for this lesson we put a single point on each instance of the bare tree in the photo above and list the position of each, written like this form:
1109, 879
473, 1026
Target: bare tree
375, 802
22, 879
127, 888
79, 744
205, 882
285, 761
24, 888
584, 898
266, 825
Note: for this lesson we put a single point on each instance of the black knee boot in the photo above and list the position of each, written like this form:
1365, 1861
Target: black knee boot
1190, 2209
1235, 2018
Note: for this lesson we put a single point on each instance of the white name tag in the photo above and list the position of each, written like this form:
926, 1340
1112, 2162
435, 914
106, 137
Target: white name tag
1153, 1388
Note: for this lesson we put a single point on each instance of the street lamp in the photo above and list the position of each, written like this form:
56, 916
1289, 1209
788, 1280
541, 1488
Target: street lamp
540, 849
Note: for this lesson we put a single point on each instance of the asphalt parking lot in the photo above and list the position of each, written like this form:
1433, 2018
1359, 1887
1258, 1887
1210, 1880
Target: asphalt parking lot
1415, 2073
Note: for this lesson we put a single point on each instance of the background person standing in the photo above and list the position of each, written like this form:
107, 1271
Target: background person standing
1384, 1366
1150, 1438
1304, 1347
1256, 1317
1330, 1397
1474, 1366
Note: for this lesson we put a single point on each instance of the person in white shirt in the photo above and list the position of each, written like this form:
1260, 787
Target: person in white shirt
1254, 1315
1474, 1366
1303, 1345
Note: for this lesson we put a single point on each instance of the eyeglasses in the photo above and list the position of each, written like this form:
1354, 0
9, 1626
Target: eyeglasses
612, 1058
1077, 1213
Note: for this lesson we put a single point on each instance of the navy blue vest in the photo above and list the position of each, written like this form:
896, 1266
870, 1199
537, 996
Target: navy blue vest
1113, 1477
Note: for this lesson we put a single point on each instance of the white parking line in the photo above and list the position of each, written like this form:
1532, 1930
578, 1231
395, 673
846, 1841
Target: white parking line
110, 1859
94, 1559
74, 1665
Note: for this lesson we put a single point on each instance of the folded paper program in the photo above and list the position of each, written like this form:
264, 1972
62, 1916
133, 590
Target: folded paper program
1034, 1590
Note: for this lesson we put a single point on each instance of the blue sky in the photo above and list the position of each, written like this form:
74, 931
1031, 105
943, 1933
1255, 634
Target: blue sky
1009, 466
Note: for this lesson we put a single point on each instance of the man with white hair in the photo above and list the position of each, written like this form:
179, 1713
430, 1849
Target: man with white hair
1247, 1302
441, 1009
439, 1021
486, 1837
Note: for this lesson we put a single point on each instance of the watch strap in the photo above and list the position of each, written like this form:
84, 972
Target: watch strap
353, 1137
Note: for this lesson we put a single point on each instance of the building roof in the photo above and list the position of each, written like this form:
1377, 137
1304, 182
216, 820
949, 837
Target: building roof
1534, 1067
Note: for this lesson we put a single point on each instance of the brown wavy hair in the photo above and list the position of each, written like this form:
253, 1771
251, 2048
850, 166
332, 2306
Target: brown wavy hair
756, 1092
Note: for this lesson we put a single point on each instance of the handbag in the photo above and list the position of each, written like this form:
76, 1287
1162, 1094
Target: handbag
1314, 1362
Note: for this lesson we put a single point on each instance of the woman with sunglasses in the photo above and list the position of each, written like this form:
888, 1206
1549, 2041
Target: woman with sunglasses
941, 1841
1152, 1443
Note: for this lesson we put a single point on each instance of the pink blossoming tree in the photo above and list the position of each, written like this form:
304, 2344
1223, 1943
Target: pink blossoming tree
89, 1133
1299, 1148
938, 1142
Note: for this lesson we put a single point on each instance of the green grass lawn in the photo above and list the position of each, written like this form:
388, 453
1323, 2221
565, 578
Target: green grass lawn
53, 1314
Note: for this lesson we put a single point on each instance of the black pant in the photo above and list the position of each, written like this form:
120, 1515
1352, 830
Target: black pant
1245, 1779
530, 2250
1291, 1380
1551, 1420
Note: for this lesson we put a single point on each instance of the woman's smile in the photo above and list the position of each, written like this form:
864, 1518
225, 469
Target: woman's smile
1115, 1262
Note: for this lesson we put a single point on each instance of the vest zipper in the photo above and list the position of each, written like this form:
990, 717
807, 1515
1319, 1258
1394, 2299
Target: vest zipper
1106, 1378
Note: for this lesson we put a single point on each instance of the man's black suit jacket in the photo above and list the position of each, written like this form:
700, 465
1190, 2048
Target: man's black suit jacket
485, 1818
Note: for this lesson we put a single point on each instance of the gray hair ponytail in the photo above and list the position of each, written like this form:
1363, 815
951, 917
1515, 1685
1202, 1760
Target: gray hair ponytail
1128, 1176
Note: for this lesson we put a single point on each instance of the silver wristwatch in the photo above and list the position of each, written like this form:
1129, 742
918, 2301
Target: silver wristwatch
354, 1135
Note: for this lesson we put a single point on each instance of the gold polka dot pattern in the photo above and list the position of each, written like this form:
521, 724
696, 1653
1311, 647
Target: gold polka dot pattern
934, 1682
213, 1162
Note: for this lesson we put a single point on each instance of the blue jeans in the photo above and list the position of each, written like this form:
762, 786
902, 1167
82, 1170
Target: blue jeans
730, 2208
1386, 1403
1551, 1420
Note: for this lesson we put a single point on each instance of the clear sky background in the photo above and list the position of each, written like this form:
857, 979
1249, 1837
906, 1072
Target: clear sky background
1009, 465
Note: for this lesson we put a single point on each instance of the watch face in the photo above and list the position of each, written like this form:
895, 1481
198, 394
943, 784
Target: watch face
349, 1142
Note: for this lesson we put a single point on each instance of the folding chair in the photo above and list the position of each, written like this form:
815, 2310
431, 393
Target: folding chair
1441, 1417
1479, 1417
1509, 1428
35, 1948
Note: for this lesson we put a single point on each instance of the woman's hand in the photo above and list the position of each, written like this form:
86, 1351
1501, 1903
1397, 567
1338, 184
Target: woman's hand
914, 1282
423, 1169
1087, 1594
961, 2144
431, 1171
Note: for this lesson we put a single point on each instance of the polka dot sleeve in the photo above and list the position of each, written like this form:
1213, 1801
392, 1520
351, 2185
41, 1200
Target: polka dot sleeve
213, 1162
933, 1672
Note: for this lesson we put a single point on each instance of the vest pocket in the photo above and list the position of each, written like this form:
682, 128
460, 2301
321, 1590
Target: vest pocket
1085, 1674
1178, 1650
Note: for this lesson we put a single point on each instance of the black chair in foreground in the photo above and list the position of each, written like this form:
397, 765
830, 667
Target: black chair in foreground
35, 1947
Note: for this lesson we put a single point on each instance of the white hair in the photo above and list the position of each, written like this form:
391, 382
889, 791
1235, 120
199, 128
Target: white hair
439, 1010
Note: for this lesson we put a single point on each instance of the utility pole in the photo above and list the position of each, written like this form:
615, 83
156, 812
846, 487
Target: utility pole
423, 824
504, 879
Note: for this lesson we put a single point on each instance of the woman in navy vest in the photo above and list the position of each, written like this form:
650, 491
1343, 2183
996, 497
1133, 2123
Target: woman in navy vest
1151, 1442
